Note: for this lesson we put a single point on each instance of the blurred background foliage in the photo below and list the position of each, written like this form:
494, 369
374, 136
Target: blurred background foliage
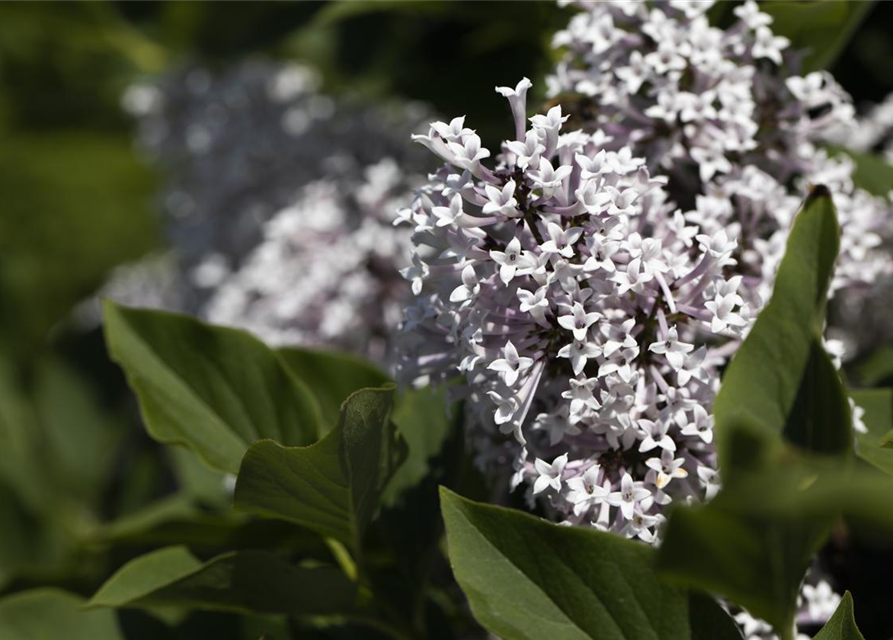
82, 489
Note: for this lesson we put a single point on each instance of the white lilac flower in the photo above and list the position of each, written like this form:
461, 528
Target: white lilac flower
549, 473
574, 320
725, 117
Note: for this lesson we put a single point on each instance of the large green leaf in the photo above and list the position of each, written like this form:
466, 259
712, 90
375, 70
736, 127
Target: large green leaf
527, 579
874, 446
842, 625
780, 389
331, 376
781, 379
50, 614
212, 389
822, 29
754, 561
242, 582
755, 540
332, 487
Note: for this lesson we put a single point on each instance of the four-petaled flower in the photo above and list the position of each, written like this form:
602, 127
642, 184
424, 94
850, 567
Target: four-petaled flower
630, 495
512, 261
585, 491
672, 349
666, 467
549, 474
511, 365
579, 321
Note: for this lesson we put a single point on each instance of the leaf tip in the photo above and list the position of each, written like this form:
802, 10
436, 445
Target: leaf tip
817, 191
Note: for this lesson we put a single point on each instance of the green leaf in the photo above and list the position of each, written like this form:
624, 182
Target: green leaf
212, 389
842, 625
331, 376
50, 614
527, 579
241, 582
177, 521
877, 368
197, 480
332, 487
422, 419
755, 540
753, 561
781, 387
19, 440
79, 437
65, 221
822, 29
781, 380
874, 447
709, 621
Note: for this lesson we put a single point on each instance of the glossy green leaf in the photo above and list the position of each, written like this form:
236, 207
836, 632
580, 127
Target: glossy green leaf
212, 389
331, 376
821, 29
241, 582
874, 447
781, 380
51, 614
842, 625
527, 579
334, 486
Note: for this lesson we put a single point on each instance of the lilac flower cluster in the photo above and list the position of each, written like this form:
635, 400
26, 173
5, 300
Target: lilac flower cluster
291, 290
722, 116
586, 314
278, 202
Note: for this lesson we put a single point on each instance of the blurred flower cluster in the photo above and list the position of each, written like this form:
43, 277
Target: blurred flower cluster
872, 131
325, 271
278, 201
